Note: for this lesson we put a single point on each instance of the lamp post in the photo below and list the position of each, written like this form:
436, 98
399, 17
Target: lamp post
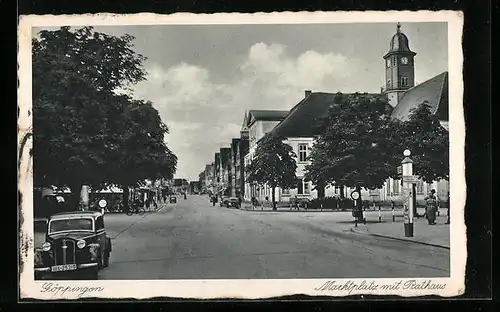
408, 198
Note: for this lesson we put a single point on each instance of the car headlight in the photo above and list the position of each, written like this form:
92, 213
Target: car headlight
81, 243
46, 246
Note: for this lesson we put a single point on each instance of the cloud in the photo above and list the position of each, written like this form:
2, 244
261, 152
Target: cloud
203, 114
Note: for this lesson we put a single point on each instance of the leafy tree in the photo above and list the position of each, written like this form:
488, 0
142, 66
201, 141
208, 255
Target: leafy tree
140, 152
428, 142
355, 147
273, 164
84, 132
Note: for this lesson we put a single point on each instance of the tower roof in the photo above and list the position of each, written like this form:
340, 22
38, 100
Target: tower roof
434, 91
399, 42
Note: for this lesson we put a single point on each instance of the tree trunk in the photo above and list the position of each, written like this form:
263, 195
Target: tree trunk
273, 197
76, 198
321, 190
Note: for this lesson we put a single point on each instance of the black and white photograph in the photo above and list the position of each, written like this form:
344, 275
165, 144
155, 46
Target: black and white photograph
241, 155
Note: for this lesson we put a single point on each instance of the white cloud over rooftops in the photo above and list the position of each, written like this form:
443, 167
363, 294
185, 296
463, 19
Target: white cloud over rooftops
203, 114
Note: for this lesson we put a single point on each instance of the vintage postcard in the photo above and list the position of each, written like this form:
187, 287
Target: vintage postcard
245, 156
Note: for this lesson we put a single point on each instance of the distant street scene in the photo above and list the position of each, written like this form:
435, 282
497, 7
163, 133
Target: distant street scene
241, 151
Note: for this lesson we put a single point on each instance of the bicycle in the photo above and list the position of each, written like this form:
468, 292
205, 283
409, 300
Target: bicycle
137, 210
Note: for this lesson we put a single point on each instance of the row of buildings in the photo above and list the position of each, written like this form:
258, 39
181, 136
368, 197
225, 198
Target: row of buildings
226, 174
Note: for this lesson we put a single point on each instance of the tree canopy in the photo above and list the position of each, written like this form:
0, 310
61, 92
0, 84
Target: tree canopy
273, 164
355, 146
360, 145
85, 132
428, 142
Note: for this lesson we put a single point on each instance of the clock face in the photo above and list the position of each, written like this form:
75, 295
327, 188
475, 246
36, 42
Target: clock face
404, 60
388, 63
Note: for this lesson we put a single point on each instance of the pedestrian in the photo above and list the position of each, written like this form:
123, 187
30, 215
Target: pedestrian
253, 202
239, 201
431, 207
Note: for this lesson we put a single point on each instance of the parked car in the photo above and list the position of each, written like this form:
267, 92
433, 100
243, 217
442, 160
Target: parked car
223, 201
233, 202
75, 244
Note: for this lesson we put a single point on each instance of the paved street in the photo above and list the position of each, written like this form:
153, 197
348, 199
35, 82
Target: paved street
194, 240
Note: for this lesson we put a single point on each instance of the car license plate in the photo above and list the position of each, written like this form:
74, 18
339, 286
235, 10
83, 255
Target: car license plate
64, 267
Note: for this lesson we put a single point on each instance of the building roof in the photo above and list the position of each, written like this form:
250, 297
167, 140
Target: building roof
399, 43
434, 91
302, 118
267, 115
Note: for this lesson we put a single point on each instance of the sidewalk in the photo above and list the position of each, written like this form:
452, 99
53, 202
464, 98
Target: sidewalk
434, 235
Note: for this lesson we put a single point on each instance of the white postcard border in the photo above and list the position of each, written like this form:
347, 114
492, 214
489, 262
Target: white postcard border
248, 289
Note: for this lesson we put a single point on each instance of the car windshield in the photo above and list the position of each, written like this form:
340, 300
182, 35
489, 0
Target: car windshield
79, 224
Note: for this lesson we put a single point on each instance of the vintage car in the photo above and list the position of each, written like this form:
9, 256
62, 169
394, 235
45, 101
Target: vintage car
233, 202
75, 244
223, 201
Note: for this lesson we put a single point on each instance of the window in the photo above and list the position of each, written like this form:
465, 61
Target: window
388, 82
300, 187
388, 188
70, 225
420, 187
302, 152
429, 187
285, 192
395, 187
303, 187
307, 188
405, 81
395, 60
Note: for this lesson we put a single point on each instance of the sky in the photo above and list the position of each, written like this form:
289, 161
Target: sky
202, 78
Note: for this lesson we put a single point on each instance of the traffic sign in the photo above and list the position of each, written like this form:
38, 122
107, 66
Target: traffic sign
355, 195
410, 179
102, 203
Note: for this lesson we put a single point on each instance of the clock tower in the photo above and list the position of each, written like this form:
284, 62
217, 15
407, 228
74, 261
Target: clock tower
399, 67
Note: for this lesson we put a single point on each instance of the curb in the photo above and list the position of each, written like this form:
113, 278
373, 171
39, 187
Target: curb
400, 239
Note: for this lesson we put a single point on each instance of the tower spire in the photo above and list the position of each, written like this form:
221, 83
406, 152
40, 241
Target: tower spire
398, 27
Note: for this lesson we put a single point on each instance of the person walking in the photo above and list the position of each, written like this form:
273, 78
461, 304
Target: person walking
431, 207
